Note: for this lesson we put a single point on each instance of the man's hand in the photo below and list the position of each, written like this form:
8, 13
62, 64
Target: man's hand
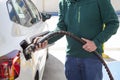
89, 46
39, 46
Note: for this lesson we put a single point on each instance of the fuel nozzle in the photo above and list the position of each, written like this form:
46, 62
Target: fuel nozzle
24, 44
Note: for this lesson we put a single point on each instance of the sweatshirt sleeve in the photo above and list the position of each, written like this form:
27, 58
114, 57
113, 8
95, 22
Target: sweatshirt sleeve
60, 25
110, 20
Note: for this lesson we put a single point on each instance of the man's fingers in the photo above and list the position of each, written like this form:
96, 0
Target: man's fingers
36, 39
44, 44
37, 46
89, 46
85, 39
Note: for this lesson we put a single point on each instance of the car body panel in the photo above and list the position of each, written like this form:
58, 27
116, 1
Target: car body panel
11, 34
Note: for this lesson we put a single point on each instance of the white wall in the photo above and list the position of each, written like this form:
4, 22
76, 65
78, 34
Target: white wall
116, 4
47, 5
51, 5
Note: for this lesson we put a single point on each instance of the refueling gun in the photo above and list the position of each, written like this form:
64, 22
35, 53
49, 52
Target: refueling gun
53, 34
24, 44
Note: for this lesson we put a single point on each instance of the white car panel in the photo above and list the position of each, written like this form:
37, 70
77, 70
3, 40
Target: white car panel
11, 34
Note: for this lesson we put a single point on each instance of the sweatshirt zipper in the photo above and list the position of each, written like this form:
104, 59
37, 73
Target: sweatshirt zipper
79, 14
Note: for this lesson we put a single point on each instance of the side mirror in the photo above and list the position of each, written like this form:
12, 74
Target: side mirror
23, 12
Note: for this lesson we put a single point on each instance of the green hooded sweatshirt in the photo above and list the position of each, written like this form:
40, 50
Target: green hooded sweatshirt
86, 18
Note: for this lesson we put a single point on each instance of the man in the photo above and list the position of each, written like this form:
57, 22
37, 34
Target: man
85, 18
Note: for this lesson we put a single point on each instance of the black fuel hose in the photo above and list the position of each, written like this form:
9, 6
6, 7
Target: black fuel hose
53, 34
